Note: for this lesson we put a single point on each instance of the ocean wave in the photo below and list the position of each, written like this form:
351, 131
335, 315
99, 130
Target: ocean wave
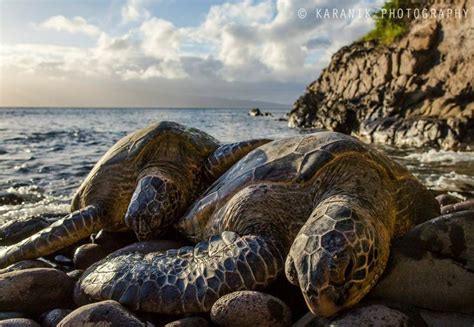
451, 181
441, 156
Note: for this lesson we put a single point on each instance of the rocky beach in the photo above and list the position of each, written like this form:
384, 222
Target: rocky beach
172, 217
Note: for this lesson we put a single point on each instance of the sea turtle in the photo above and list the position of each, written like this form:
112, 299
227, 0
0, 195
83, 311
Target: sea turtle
326, 203
144, 182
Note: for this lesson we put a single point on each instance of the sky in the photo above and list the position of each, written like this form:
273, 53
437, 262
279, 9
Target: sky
169, 53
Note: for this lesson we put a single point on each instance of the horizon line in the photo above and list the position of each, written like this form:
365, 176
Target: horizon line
283, 106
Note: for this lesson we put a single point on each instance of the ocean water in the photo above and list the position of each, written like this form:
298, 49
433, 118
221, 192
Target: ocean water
46, 153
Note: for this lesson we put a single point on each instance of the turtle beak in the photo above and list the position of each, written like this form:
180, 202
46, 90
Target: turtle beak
324, 281
323, 305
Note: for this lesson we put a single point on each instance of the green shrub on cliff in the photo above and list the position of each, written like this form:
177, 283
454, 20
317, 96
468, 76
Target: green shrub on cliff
388, 28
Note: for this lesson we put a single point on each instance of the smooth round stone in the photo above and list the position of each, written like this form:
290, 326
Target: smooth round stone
189, 322
35, 290
62, 259
75, 274
112, 241
53, 317
88, 254
106, 313
25, 264
372, 315
19, 322
250, 308
432, 266
441, 319
10, 315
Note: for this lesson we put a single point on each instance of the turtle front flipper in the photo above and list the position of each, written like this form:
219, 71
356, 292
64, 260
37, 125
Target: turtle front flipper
227, 155
338, 255
186, 280
62, 233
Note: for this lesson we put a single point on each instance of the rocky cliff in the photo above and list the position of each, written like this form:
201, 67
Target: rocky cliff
417, 91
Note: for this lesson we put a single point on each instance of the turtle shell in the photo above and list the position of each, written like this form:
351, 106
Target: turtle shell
113, 178
292, 161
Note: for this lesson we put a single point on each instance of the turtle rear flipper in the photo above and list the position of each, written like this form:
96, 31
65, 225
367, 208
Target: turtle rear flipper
62, 233
189, 279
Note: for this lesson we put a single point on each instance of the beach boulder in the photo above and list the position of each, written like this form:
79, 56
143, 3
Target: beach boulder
35, 290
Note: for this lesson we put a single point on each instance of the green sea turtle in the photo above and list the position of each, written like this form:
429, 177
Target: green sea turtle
144, 182
326, 203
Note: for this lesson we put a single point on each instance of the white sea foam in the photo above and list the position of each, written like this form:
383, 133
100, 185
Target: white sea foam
441, 156
451, 181
35, 203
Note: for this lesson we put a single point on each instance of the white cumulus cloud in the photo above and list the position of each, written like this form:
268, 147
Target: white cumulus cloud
71, 25
133, 10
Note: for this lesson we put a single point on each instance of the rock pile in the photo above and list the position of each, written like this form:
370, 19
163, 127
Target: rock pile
429, 281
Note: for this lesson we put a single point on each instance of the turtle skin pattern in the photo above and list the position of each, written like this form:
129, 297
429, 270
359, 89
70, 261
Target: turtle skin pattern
144, 182
322, 208
186, 280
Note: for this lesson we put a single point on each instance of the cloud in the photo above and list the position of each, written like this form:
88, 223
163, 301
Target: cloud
237, 43
133, 10
160, 39
74, 25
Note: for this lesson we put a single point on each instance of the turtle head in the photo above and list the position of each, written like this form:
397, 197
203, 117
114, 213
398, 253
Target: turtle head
153, 207
336, 265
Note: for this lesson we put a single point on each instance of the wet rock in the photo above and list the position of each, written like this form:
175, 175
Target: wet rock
189, 322
107, 313
442, 319
17, 230
255, 112
75, 274
87, 254
250, 308
112, 241
53, 317
310, 320
25, 264
373, 315
432, 266
156, 319
35, 290
7, 198
63, 260
10, 315
456, 207
19, 322
447, 199
283, 289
